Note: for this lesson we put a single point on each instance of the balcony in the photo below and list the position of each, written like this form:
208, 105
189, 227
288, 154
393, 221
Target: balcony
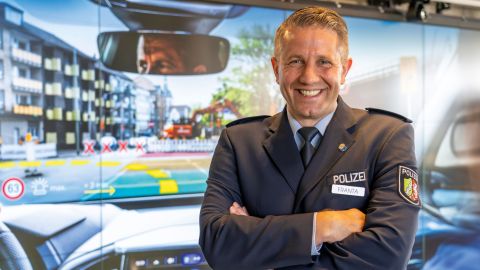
53, 64
72, 70
27, 110
53, 89
88, 75
27, 57
55, 114
28, 85
88, 95
72, 92
86, 117
72, 115
99, 84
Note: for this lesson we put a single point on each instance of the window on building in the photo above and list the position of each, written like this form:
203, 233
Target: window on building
22, 72
23, 100
1, 39
14, 16
1, 70
22, 45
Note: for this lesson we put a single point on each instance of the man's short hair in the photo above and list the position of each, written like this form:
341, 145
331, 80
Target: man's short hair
315, 16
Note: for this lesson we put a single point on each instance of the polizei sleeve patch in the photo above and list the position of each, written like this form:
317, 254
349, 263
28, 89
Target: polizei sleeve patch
408, 185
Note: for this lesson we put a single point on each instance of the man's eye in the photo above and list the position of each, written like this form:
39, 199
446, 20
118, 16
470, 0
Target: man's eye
163, 66
295, 62
324, 62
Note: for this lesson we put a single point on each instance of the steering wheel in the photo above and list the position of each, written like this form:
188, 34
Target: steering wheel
12, 255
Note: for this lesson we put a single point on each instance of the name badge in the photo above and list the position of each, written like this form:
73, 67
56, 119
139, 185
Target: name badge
348, 190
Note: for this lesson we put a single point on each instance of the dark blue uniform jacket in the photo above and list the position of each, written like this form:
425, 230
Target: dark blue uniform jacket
258, 165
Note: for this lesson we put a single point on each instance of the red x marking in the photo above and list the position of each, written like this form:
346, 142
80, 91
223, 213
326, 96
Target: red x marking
106, 148
88, 147
139, 147
122, 146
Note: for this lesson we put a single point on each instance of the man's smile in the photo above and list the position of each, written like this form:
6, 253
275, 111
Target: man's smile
309, 92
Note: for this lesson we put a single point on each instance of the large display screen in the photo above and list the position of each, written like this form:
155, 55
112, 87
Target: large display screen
91, 115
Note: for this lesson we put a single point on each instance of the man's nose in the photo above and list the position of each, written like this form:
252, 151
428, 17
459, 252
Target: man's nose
309, 74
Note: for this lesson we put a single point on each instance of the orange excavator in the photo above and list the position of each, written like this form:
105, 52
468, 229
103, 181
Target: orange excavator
191, 128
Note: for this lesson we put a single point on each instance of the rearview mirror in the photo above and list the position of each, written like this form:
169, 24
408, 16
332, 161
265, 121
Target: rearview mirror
163, 54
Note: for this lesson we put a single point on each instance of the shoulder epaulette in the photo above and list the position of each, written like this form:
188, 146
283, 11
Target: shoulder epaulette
247, 120
389, 113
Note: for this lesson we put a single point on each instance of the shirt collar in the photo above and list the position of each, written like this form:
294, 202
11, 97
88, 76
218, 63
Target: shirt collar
321, 126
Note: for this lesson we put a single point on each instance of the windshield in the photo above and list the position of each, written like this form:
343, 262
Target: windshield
74, 130
78, 131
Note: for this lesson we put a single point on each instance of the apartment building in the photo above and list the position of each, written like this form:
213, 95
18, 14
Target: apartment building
58, 94
21, 77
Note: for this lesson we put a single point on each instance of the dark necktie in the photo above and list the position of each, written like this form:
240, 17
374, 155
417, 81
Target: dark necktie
308, 133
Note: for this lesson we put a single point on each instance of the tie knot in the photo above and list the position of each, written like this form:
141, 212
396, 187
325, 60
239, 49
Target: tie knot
308, 133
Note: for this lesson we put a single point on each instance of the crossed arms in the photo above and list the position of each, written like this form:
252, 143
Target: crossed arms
378, 237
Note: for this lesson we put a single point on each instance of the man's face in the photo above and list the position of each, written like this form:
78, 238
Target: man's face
161, 56
309, 71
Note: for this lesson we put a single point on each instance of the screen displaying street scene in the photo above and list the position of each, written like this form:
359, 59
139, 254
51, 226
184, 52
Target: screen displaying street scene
119, 101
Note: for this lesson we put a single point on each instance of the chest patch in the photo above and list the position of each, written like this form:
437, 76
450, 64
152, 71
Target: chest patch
351, 177
408, 185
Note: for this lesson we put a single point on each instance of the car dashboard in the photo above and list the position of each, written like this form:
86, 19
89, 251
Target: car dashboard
75, 236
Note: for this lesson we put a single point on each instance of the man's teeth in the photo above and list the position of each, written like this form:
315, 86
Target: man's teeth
309, 93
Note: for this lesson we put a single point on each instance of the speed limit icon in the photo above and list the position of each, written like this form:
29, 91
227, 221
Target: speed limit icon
13, 188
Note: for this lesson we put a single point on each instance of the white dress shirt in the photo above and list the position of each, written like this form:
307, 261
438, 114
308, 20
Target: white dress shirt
321, 126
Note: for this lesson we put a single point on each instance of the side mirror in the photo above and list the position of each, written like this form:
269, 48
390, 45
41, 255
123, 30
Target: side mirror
163, 54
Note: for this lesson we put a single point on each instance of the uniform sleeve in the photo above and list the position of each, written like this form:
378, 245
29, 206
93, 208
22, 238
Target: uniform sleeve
247, 242
391, 220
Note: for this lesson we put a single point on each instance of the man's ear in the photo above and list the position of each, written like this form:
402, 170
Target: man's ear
345, 68
275, 67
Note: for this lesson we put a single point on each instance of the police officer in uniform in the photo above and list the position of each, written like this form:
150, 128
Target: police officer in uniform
319, 185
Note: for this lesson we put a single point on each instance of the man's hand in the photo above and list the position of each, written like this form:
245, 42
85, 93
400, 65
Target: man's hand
236, 209
333, 226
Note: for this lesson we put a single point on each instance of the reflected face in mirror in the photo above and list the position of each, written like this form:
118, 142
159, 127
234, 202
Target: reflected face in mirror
162, 55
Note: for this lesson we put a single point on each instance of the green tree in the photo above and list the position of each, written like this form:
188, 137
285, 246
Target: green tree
251, 85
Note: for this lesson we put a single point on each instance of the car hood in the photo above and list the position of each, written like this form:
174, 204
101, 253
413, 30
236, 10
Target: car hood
133, 231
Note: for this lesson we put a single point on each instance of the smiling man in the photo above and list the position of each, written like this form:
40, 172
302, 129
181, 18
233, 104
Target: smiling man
319, 185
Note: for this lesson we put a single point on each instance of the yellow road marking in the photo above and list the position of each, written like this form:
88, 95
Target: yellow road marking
136, 167
110, 191
6, 165
79, 162
158, 174
168, 186
55, 162
29, 163
108, 163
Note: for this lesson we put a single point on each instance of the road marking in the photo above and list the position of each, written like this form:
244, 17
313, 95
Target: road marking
158, 174
136, 167
168, 186
203, 170
109, 163
55, 162
7, 165
192, 182
79, 162
110, 191
30, 163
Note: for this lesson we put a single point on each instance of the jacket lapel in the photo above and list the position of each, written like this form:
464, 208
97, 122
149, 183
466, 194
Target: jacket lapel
281, 148
338, 132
